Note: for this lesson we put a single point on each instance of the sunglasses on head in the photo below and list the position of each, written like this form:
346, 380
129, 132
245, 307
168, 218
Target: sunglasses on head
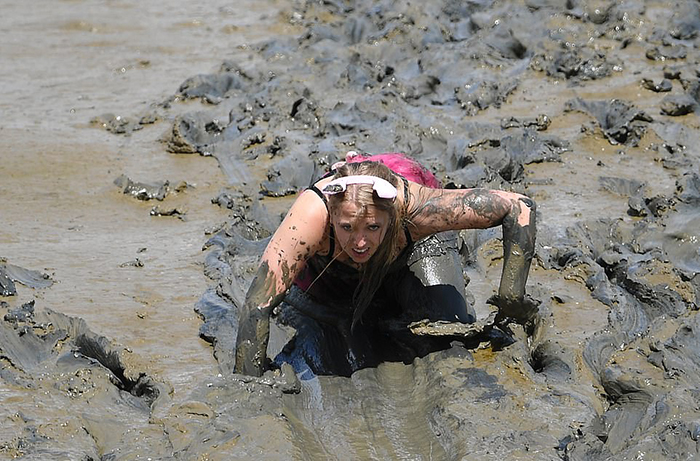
381, 187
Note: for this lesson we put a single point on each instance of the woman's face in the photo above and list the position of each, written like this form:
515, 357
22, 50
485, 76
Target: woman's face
359, 231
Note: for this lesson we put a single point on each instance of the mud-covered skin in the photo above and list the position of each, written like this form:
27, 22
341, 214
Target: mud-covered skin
254, 323
518, 250
459, 209
482, 208
297, 238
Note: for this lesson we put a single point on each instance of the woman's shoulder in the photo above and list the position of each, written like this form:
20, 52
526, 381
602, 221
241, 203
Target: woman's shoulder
305, 225
418, 194
311, 201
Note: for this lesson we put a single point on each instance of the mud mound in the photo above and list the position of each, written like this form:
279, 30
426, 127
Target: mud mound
56, 358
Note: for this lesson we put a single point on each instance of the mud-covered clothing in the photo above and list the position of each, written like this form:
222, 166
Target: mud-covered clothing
424, 282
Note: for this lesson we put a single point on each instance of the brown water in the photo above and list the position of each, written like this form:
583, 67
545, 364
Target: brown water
65, 63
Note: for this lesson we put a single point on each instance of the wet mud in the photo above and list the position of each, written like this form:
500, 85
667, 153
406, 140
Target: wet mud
589, 108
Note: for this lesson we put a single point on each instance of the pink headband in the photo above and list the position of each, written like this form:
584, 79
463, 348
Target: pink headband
381, 187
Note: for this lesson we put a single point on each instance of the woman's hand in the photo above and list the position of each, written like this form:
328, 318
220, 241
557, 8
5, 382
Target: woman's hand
254, 322
518, 250
521, 310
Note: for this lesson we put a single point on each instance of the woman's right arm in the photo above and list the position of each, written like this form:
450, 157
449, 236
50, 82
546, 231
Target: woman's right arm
299, 236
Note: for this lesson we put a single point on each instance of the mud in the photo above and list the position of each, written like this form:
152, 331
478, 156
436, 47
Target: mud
119, 323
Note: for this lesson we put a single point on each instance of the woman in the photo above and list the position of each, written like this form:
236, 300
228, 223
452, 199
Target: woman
362, 243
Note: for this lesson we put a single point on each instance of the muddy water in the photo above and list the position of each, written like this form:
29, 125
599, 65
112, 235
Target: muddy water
66, 63
73, 62
127, 353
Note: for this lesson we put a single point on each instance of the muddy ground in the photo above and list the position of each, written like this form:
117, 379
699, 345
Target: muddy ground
149, 150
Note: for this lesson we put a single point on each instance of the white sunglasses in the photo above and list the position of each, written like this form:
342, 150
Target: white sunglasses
381, 187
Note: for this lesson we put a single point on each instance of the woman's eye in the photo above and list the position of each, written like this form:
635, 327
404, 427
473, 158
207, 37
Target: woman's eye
374, 227
346, 227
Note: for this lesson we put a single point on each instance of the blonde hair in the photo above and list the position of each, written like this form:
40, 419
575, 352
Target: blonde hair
372, 273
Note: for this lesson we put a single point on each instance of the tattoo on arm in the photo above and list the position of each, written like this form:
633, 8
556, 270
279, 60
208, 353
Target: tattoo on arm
484, 204
481, 208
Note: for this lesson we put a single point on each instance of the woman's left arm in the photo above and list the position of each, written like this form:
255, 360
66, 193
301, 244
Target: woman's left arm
455, 209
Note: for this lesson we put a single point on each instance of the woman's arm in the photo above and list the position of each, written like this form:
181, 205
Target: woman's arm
454, 209
299, 236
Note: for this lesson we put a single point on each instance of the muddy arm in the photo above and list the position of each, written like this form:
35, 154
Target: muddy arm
519, 229
254, 323
300, 235
441, 210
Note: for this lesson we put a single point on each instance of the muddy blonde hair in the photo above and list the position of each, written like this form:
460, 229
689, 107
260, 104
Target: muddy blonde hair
372, 273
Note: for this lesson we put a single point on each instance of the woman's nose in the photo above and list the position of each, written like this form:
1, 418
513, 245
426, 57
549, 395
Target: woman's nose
360, 240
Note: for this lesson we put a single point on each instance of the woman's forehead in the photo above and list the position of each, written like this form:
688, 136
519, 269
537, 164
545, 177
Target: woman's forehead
354, 210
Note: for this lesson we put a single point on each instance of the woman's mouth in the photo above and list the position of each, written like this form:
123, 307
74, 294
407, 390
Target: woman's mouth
360, 253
